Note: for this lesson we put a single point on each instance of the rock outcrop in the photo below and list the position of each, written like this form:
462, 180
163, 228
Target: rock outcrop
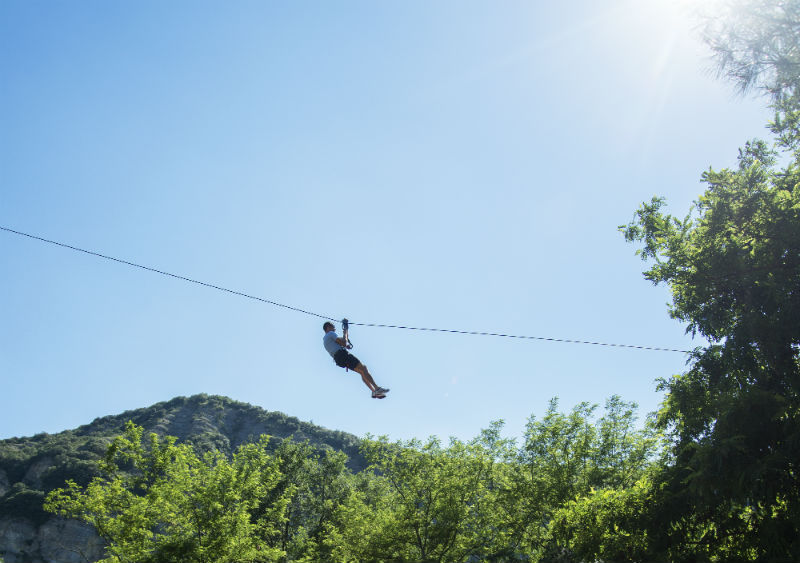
56, 541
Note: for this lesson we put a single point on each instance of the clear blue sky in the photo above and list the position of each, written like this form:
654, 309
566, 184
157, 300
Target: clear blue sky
452, 164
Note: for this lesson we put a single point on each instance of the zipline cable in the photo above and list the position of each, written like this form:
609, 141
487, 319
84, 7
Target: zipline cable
522, 337
163, 273
368, 325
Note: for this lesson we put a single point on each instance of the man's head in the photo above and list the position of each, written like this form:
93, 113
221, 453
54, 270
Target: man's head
328, 326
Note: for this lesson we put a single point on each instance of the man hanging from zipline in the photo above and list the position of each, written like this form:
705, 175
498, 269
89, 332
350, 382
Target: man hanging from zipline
338, 349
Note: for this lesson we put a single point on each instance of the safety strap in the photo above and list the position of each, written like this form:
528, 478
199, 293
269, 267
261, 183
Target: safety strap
345, 336
345, 333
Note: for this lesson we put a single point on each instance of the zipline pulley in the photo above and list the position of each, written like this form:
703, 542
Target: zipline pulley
345, 335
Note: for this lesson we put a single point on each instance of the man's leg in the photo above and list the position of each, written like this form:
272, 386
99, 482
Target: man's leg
362, 370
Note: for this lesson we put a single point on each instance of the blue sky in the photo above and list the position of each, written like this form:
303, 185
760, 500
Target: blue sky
460, 165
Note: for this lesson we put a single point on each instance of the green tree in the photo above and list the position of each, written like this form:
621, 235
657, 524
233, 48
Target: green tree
316, 484
564, 457
756, 44
622, 452
361, 527
159, 502
552, 467
436, 503
607, 524
733, 266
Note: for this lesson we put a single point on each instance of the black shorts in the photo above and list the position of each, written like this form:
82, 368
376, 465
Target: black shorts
345, 359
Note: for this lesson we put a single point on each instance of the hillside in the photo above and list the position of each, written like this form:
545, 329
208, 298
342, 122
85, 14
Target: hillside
30, 467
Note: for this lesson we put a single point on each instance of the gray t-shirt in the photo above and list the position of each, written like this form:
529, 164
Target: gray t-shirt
329, 340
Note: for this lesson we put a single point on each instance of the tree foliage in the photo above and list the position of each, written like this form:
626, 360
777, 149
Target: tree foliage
733, 265
489, 499
315, 484
607, 524
486, 499
442, 499
161, 502
756, 43
567, 456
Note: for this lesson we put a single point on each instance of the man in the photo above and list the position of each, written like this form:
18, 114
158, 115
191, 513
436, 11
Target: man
337, 348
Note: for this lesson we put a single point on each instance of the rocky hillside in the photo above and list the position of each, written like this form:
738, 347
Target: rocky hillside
31, 467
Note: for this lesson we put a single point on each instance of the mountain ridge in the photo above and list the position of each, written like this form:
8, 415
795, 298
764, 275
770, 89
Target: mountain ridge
30, 467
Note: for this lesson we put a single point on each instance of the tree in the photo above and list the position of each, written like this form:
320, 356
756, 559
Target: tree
316, 483
434, 503
159, 502
485, 499
565, 457
734, 418
361, 528
733, 266
607, 524
623, 453
756, 44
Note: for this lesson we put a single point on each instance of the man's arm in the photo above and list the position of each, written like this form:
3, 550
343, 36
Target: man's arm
345, 339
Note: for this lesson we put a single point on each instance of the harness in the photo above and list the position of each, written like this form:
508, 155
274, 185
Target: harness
345, 336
